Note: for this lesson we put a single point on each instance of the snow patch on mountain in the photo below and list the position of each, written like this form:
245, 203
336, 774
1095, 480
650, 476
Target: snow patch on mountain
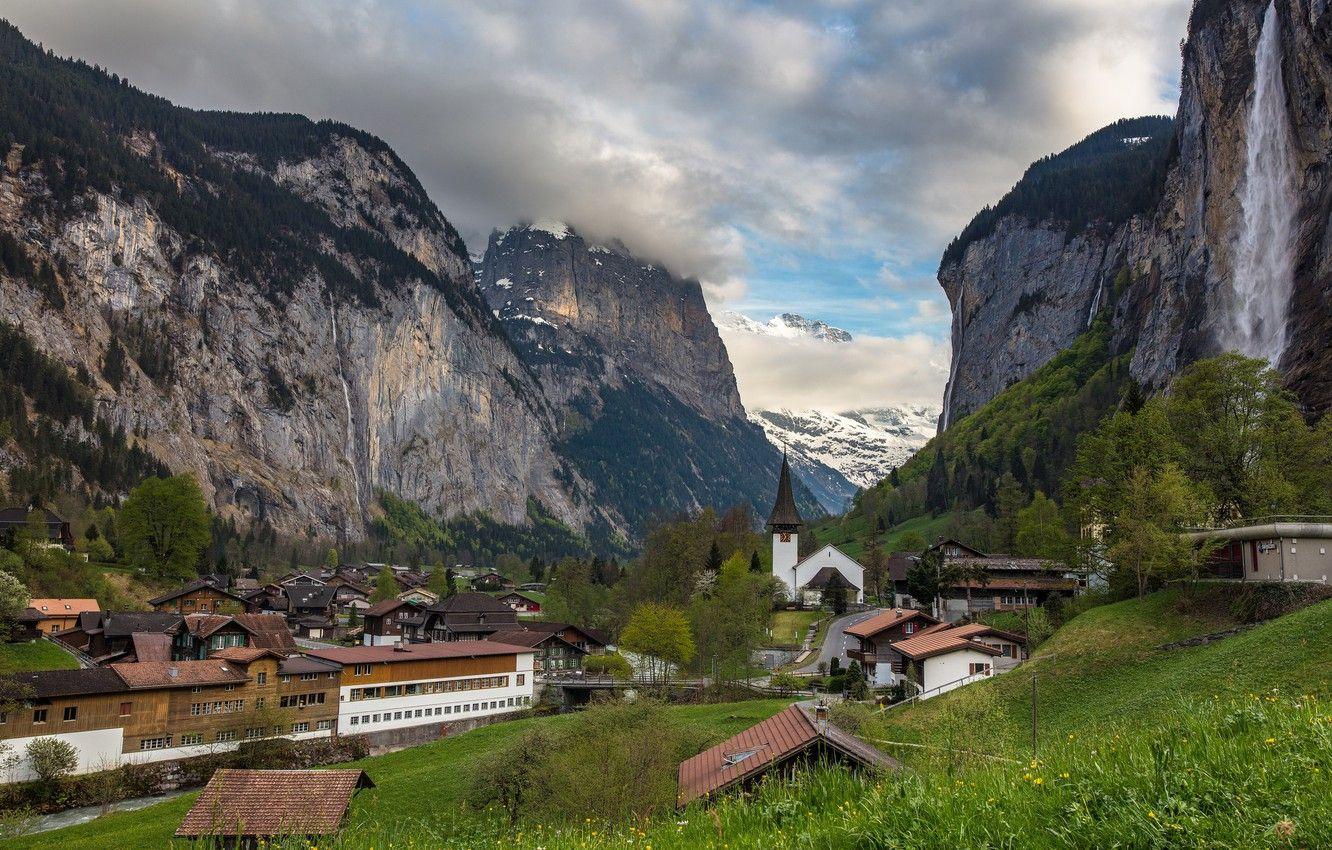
836, 454
787, 326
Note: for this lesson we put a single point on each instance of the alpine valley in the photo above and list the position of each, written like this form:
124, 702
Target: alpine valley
276, 306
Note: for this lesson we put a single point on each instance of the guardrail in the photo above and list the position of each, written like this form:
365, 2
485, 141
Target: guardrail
1269, 519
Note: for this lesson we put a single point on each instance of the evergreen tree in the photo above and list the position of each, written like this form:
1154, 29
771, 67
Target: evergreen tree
755, 565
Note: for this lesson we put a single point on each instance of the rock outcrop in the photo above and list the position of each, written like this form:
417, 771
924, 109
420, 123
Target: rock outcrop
1024, 286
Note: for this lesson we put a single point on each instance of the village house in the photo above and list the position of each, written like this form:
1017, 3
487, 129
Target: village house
393, 687
420, 595
160, 710
492, 580
245, 807
463, 616
112, 636
53, 616
1277, 550
523, 602
939, 661
15, 521
198, 635
811, 575
201, 596
551, 652
876, 635
990, 582
777, 746
383, 621
306, 601
589, 640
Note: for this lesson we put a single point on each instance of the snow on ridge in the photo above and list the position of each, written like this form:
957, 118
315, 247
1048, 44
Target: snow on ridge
784, 326
504, 283
555, 228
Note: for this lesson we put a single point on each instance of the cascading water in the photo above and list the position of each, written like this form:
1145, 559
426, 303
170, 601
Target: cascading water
1264, 257
350, 446
945, 419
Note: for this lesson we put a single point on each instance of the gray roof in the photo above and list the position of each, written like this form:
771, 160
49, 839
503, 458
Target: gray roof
47, 684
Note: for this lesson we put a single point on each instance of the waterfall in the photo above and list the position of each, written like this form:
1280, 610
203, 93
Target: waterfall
349, 449
1264, 258
952, 369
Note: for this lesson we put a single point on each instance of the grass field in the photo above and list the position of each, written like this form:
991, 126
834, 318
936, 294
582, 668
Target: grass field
789, 627
429, 780
38, 655
850, 533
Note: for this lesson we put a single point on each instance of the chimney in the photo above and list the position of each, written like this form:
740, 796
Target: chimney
897, 612
821, 715
173, 672
399, 646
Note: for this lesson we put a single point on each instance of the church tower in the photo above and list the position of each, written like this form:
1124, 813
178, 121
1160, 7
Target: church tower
785, 524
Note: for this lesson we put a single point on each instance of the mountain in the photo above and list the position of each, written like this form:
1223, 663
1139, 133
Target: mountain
627, 357
277, 307
787, 326
1170, 227
836, 454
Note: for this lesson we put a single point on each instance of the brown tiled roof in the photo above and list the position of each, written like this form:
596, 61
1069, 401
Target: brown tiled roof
971, 630
308, 664
151, 646
416, 651
886, 620
765, 745
471, 602
388, 606
242, 654
159, 674
268, 631
64, 607
273, 803
203, 625
938, 643
192, 587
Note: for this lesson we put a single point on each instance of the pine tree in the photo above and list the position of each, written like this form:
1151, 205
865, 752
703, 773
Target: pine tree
755, 565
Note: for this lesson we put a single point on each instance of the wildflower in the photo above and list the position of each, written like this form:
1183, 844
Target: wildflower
1064, 775
1270, 741
1038, 781
1151, 814
1284, 828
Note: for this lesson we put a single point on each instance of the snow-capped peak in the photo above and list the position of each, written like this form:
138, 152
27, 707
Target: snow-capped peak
555, 228
787, 326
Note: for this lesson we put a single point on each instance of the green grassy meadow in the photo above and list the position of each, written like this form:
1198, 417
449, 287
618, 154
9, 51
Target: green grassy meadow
37, 655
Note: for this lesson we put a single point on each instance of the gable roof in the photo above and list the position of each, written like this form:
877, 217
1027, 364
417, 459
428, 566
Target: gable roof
597, 636
886, 620
388, 606
176, 674
948, 541
310, 595
765, 745
193, 587
126, 623
470, 602
151, 646
416, 651
530, 639
971, 630
62, 607
204, 625
784, 511
826, 576
268, 631
273, 802
919, 647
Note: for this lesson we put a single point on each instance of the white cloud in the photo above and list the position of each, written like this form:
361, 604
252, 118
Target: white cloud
776, 372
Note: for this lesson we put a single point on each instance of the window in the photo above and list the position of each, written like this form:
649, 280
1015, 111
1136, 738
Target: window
909, 628
418, 712
522, 679
228, 735
285, 679
365, 718
71, 713
309, 677
355, 720
261, 678
376, 718
300, 727
155, 743
186, 740
230, 688
39, 715
126, 709
325, 725
196, 690
397, 715
448, 709
438, 710
361, 670
976, 667
4, 718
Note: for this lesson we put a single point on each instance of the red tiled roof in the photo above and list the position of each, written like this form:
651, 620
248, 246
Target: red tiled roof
972, 630
886, 620
273, 803
764, 745
938, 643
268, 631
159, 674
64, 607
204, 625
242, 654
388, 606
151, 646
417, 651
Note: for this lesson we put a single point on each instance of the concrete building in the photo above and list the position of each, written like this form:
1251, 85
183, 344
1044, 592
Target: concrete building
1282, 549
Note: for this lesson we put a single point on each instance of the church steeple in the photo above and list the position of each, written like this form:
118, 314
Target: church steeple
785, 516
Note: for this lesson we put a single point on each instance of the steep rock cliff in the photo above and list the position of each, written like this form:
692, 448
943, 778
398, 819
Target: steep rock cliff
267, 302
1025, 277
629, 357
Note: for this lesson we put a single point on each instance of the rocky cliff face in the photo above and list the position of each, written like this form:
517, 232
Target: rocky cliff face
1027, 285
628, 357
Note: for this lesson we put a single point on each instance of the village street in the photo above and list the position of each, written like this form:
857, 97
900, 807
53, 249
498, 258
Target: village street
836, 643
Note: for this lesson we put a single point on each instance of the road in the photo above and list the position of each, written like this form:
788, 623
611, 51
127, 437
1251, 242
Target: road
836, 643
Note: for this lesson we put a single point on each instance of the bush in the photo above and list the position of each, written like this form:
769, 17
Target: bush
52, 759
611, 664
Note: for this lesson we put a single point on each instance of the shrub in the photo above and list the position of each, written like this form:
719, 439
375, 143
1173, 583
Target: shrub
52, 759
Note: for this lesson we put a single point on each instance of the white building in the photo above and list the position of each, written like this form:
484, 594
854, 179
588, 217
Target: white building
393, 687
813, 574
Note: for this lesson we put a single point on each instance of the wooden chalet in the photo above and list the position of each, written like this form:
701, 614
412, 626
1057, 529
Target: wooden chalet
592, 641
201, 596
463, 616
16, 520
784, 742
523, 602
241, 807
551, 652
384, 620
875, 637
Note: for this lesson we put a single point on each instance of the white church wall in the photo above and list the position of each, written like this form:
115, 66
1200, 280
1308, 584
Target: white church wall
831, 556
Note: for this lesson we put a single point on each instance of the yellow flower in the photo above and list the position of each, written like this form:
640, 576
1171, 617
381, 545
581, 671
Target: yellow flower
1039, 781
1151, 814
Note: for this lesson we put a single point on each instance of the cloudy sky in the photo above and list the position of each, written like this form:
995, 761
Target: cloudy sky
811, 157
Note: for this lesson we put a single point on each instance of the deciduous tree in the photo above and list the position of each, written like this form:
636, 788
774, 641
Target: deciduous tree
164, 526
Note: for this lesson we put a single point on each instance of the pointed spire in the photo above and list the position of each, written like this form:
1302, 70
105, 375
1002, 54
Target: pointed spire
784, 512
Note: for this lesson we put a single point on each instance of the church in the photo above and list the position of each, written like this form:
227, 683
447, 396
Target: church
811, 575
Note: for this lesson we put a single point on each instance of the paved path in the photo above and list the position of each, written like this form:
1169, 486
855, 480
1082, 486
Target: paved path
307, 643
835, 642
